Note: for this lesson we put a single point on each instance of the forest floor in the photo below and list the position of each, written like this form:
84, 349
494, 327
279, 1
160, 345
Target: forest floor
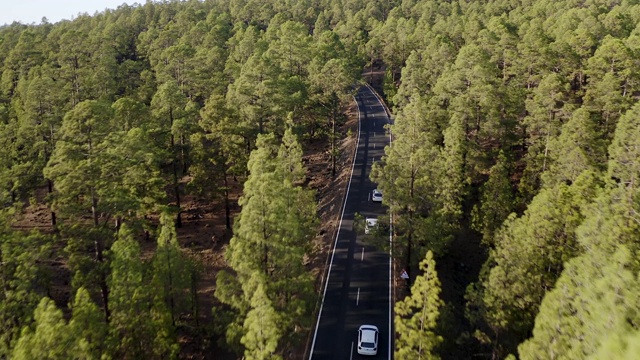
203, 236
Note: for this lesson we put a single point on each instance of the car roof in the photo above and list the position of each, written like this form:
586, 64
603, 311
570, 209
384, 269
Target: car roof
368, 333
377, 191
372, 221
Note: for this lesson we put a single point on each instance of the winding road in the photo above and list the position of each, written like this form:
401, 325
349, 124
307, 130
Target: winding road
358, 287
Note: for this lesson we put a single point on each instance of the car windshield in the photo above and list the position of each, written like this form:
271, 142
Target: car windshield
367, 345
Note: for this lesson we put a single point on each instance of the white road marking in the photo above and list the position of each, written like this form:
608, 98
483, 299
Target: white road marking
335, 242
362, 257
358, 297
388, 120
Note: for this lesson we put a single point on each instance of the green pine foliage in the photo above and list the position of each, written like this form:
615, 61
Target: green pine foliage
88, 328
49, 338
496, 202
271, 238
418, 314
172, 271
23, 280
595, 299
140, 324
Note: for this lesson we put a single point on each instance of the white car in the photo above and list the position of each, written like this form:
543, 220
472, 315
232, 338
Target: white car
376, 195
369, 224
368, 340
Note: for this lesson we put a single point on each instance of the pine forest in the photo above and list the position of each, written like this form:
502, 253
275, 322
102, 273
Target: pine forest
513, 178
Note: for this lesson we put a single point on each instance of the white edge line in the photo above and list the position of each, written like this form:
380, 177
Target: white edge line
335, 241
390, 260
386, 110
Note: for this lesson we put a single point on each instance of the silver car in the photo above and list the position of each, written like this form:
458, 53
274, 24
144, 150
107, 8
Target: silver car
369, 224
376, 195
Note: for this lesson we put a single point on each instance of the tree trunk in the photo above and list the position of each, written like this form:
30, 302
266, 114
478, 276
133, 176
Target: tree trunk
172, 304
194, 296
408, 260
174, 165
227, 205
94, 208
176, 190
104, 290
53, 213
99, 251
184, 154
266, 247
333, 134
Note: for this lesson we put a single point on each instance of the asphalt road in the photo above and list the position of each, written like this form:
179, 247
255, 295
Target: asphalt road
358, 289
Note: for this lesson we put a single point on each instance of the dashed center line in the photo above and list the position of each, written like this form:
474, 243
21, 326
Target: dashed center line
358, 297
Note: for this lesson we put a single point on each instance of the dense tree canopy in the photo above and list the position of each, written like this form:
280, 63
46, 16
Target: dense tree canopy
515, 136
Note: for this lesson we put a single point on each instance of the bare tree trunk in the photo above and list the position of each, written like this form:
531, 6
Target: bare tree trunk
174, 164
227, 205
53, 213
172, 303
333, 134
194, 295
99, 250
176, 190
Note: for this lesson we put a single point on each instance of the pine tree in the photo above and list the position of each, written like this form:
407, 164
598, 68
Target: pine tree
168, 107
140, 326
262, 330
592, 301
271, 238
76, 170
171, 270
453, 177
87, 327
624, 151
547, 108
496, 201
596, 296
579, 148
219, 152
529, 255
49, 338
417, 316
36, 132
612, 81
407, 176
625, 346
22, 279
